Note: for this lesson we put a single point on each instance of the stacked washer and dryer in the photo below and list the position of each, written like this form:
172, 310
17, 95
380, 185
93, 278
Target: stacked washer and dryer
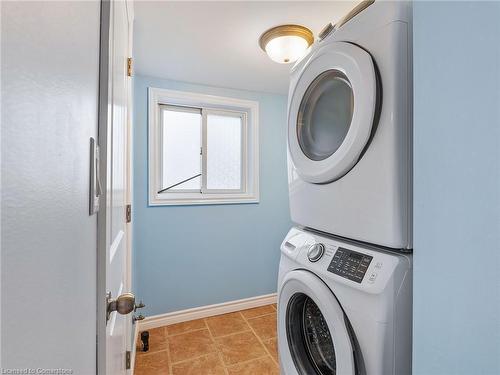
345, 277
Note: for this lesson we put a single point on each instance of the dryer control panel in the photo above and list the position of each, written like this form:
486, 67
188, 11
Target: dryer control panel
350, 264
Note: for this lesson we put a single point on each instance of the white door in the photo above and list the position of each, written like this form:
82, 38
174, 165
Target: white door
331, 112
117, 189
313, 338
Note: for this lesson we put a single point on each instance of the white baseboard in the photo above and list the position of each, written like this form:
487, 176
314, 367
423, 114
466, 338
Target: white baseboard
205, 311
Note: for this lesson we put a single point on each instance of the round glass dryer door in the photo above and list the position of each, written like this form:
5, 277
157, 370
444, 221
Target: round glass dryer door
313, 334
325, 115
331, 112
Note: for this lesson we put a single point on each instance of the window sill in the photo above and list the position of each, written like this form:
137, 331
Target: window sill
219, 199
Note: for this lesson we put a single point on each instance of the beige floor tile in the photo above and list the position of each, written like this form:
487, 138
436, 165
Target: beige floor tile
258, 311
184, 327
272, 347
262, 366
226, 324
190, 345
157, 341
264, 326
206, 365
240, 347
152, 364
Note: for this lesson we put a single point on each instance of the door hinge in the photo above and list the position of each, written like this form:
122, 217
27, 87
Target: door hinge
128, 356
129, 67
128, 213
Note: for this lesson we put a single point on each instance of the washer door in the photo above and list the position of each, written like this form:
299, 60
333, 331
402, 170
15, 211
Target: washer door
313, 335
331, 112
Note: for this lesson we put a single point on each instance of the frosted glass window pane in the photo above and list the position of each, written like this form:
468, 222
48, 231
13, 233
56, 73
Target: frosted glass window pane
224, 152
181, 149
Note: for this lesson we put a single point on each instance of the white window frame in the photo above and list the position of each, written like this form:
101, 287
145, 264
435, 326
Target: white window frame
208, 104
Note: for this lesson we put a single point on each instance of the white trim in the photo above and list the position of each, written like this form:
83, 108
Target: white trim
105, 115
249, 108
205, 311
129, 185
114, 246
133, 350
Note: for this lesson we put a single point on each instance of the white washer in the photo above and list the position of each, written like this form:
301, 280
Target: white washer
343, 309
350, 129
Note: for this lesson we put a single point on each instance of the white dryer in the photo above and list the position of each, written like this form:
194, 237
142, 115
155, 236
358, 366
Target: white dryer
343, 309
350, 129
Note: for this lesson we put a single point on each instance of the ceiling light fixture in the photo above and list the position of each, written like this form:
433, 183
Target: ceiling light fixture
286, 43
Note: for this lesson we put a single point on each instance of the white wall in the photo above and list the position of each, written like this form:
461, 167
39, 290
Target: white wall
49, 111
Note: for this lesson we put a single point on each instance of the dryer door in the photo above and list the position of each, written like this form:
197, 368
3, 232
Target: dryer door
313, 335
331, 112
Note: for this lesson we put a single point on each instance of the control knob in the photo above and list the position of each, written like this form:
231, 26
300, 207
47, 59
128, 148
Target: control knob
315, 252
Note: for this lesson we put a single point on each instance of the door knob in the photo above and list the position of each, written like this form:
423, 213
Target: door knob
123, 304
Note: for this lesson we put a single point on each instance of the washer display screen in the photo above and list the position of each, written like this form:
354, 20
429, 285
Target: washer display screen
350, 264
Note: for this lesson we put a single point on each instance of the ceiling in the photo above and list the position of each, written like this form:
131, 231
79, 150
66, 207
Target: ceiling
216, 43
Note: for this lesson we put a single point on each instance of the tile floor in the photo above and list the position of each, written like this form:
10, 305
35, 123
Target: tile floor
239, 343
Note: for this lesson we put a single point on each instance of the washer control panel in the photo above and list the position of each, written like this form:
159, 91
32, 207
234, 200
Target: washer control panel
350, 264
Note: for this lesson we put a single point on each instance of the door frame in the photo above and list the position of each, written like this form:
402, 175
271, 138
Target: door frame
102, 140
129, 168
103, 162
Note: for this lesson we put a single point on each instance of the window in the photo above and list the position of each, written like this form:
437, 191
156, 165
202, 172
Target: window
202, 149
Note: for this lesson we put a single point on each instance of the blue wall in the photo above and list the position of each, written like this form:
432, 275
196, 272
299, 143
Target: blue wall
457, 188
189, 256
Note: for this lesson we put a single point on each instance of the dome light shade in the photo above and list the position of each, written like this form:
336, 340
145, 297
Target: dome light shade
286, 43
